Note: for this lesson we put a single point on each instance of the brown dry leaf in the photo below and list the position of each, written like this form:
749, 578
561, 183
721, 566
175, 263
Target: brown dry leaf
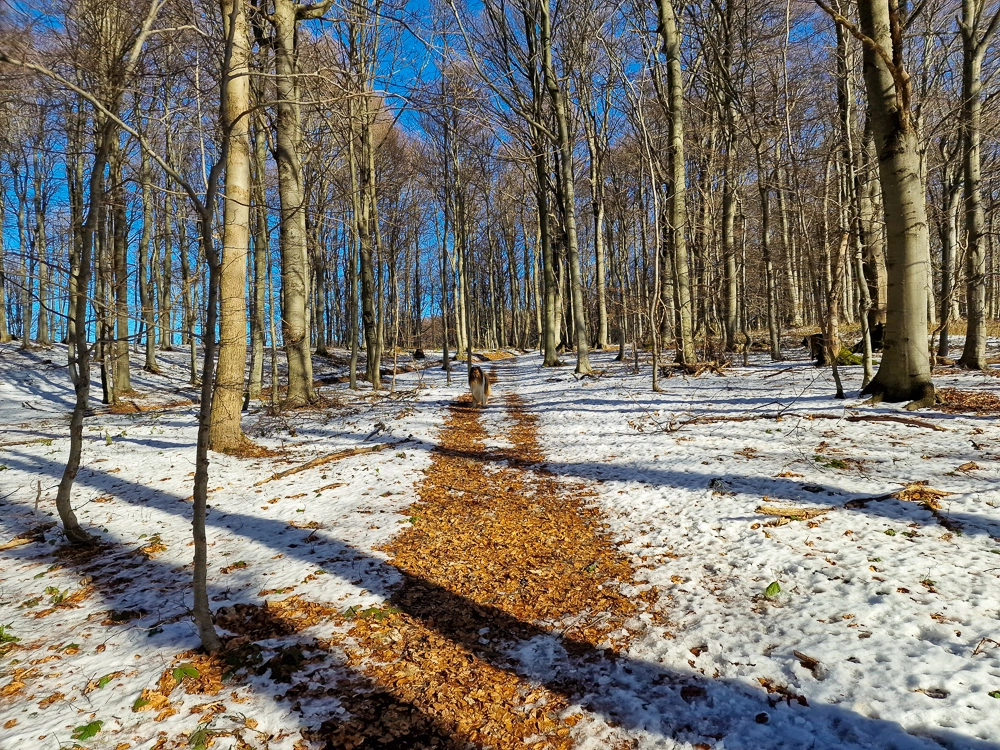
94, 684
150, 700
153, 547
46, 702
45, 659
12, 688
165, 713
19, 680
10, 724
969, 466
208, 709
789, 695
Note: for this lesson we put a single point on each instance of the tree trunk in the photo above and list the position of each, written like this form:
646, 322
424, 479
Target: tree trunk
225, 432
949, 252
261, 258
145, 300
79, 353
596, 149
853, 226
369, 287
677, 207
27, 279
564, 143
789, 246
4, 325
41, 248
729, 246
119, 222
904, 373
871, 227
291, 192
973, 50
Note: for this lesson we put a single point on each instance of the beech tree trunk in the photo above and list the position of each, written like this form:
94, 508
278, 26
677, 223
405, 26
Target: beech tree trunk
145, 299
974, 48
261, 259
4, 325
904, 373
291, 192
119, 222
225, 433
677, 207
565, 146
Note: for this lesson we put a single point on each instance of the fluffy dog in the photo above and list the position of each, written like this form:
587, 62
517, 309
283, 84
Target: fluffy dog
479, 384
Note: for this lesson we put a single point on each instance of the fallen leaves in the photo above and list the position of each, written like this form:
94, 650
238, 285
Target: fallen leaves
919, 492
809, 663
125, 406
954, 400
200, 674
153, 547
502, 551
46, 702
783, 691
98, 683
19, 680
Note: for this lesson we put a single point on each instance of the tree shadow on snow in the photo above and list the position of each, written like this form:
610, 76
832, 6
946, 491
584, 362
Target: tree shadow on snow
632, 693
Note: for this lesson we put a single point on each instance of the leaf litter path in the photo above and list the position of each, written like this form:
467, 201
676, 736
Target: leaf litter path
499, 552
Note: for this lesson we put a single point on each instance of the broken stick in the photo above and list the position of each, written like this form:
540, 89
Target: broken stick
328, 458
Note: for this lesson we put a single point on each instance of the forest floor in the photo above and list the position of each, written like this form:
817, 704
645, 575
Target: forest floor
740, 561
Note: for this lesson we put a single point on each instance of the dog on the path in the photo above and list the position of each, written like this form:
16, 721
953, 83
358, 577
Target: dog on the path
479, 384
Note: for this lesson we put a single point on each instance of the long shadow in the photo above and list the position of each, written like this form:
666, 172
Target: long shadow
776, 488
632, 693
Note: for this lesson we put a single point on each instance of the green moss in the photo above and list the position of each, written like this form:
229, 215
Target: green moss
847, 357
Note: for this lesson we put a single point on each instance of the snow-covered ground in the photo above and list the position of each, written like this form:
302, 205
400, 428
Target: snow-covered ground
886, 624
892, 606
134, 490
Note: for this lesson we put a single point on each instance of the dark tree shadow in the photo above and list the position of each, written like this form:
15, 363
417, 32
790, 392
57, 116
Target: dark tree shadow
632, 693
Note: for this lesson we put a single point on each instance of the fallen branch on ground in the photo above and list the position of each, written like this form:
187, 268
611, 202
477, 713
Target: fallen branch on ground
789, 415
900, 420
45, 441
328, 458
795, 514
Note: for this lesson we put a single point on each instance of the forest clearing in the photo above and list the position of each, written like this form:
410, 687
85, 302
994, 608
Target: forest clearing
730, 563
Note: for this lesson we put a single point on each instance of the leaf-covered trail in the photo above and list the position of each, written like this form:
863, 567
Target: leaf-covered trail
499, 552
